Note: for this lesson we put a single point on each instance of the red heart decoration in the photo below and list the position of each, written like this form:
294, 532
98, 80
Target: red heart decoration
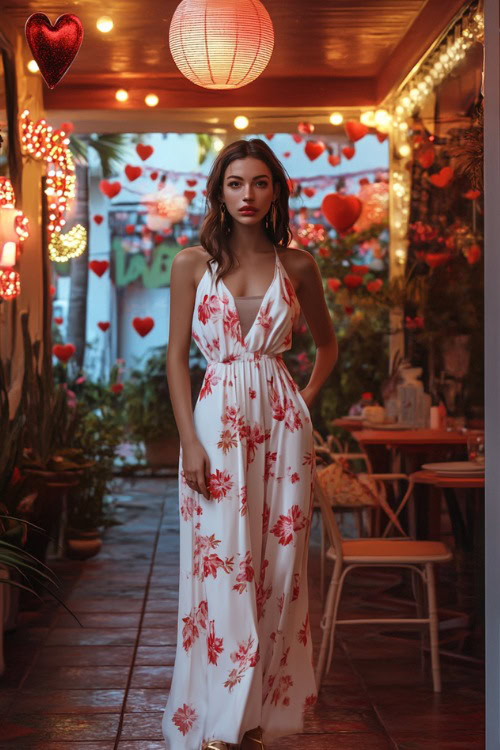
117, 387
348, 151
305, 127
192, 183
63, 352
153, 175
189, 195
286, 154
472, 194
341, 211
204, 192
68, 127
334, 160
98, 218
270, 136
426, 157
103, 325
355, 130
334, 284
143, 325
132, 172
99, 267
297, 138
442, 178
309, 191
58, 321
182, 240
364, 181
314, 149
144, 151
54, 47
110, 189
52, 290
130, 228
381, 137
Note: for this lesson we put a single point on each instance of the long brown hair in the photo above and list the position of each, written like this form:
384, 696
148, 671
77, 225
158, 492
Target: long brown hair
214, 236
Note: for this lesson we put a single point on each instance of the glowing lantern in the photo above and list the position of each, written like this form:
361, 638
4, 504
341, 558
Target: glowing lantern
221, 44
13, 230
166, 207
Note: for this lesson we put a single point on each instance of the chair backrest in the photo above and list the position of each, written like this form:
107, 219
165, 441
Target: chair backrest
329, 520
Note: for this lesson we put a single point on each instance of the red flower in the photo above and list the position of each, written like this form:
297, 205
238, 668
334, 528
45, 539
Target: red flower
333, 284
360, 270
352, 281
285, 526
375, 285
473, 254
117, 387
324, 252
214, 644
184, 718
219, 484
434, 260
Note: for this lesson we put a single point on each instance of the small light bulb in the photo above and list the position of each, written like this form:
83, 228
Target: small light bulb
404, 150
121, 95
151, 100
32, 66
218, 144
336, 118
104, 24
240, 122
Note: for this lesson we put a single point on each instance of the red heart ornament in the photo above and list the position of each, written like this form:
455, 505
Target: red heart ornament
143, 325
109, 189
117, 387
189, 195
99, 267
334, 160
348, 151
309, 191
132, 172
192, 183
472, 194
144, 151
442, 178
58, 321
381, 137
130, 228
54, 47
426, 158
287, 154
103, 325
355, 130
98, 218
182, 240
305, 127
153, 175
314, 149
297, 138
341, 211
52, 290
63, 352
269, 136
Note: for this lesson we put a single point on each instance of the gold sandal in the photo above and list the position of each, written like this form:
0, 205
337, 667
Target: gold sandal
251, 735
218, 745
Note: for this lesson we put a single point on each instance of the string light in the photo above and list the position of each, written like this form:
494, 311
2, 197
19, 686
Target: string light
336, 118
62, 247
33, 66
10, 284
13, 231
104, 24
151, 100
121, 95
241, 122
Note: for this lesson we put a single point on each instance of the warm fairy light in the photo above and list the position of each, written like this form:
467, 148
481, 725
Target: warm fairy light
10, 284
41, 141
62, 247
240, 122
382, 118
32, 66
13, 227
151, 100
217, 144
121, 95
336, 118
104, 24
404, 150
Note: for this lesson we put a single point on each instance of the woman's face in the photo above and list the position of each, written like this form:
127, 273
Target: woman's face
247, 190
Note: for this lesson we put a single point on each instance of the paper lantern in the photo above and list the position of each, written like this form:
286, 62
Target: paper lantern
166, 207
221, 44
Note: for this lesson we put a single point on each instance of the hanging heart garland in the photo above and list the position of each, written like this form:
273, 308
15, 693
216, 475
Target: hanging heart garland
190, 195
313, 149
63, 352
58, 321
348, 151
143, 325
341, 211
297, 138
104, 325
305, 127
54, 47
442, 178
334, 160
355, 130
109, 189
191, 183
132, 172
98, 219
144, 151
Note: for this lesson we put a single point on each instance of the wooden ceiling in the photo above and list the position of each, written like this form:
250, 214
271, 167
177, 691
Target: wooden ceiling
327, 54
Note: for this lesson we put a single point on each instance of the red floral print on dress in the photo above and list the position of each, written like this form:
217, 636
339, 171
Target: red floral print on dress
233, 418
254, 436
208, 564
266, 512
189, 507
227, 441
284, 657
283, 409
245, 659
247, 573
262, 594
285, 526
210, 308
196, 618
270, 458
214, 644
285, 683
243, 500
296, 586
252, 393
304, 631
219, 484
211, 379
295, 477
264, 319
184, 718
281, 601
310, 700
232, 325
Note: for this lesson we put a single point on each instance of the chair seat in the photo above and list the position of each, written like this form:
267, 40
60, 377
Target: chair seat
392, 551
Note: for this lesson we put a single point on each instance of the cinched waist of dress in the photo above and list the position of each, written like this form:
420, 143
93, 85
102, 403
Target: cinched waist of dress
245, 357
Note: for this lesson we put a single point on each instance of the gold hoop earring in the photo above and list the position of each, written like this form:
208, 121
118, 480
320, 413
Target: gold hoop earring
223, 220
274, 215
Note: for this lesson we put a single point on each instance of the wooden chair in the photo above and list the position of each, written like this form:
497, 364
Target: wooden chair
402, 552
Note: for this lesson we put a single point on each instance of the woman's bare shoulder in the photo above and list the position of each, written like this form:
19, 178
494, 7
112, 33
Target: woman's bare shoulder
192, 261
296, 262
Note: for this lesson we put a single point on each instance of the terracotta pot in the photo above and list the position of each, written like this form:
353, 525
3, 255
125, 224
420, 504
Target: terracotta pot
164, 452
80, 545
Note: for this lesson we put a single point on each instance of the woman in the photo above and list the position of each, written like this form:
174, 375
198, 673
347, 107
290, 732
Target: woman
243, 670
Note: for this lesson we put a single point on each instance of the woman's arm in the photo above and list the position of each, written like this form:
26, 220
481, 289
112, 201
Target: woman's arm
311, 296
182, 295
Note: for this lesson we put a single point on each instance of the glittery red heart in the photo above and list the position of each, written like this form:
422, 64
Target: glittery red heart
63, 352
54, 47
143, 325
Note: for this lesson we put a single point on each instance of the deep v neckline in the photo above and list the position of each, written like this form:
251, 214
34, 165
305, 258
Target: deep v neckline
268, 290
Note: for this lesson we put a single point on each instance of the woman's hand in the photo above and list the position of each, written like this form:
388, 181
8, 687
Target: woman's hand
196, 468
308, 396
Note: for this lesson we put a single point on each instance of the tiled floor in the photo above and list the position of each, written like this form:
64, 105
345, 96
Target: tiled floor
104, 686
